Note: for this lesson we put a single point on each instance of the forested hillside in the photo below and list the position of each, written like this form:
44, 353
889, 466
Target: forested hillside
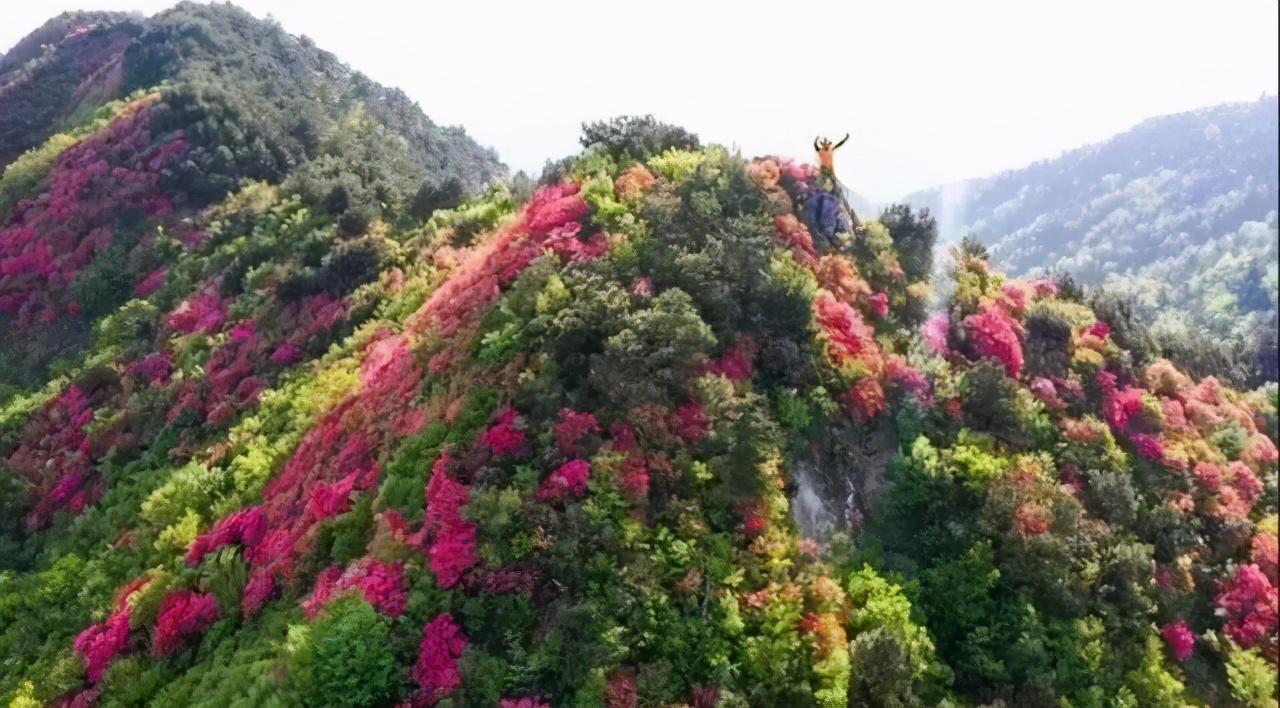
117, 130
1176, 217
291, 419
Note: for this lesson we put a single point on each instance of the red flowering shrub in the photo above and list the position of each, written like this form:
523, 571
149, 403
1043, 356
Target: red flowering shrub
246, 527
503, 438
203, 313
689, 422
620, 691
564, 241
183, 613
1120, 406
793, 236
1099, 329
260, 586
1249, 602
381, 585
569, 480
847, 338
452, 551
994, 335
1180, 639
100, 643
553, 207
735, 363
572, 427
634, 482
1265, 554
1032, 519
754, 521
865, 400
436, 671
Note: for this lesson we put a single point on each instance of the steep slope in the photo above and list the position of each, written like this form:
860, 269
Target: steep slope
1177, 215
633, 439
203, 97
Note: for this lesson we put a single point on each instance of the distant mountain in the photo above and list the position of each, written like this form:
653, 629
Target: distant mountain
1177, 215
116, 129
76, 61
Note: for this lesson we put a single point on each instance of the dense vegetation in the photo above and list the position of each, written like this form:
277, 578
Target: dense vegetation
164, 117
1175, 219
655, 431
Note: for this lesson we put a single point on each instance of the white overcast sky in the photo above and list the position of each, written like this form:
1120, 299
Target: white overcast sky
932, 91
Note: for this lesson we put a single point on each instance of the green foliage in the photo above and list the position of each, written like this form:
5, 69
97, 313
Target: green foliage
1252, 678
28, 170
346, 657
636, 137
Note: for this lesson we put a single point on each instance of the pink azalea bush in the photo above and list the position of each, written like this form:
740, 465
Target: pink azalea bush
572, 427
503, 438
246, 527
569, 480
380, 584
1180, 639
452, 550
994, 335
436, 671
1249, 602
100, 643
183, 613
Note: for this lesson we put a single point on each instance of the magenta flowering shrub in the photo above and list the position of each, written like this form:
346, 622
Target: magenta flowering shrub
492, 265
1250, 603
183, 614
100, 643
155, 368
735, 363
1181, 641
50, 239
246, 527
436, 671
689, 422
503, 438
568, 481
152, 282
994, 335
934, 332
453, 538
53, 458
204, 313
523, 702
380, 584
572, 427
